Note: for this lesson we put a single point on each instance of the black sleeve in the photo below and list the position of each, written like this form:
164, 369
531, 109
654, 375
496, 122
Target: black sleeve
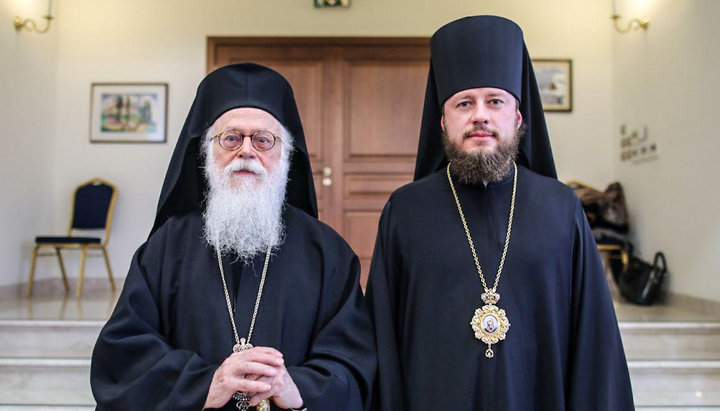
598, 375
133, 365
340, 366
382, 294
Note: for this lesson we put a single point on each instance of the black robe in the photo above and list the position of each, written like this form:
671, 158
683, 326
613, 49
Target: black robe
170, 329
563, 349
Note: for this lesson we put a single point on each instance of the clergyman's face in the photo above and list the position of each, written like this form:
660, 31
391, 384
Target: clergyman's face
478, 119
247, 120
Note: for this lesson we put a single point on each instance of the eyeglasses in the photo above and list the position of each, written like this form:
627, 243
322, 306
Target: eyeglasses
232, 140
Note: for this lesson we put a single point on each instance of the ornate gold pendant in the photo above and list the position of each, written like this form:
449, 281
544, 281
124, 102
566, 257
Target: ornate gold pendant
490, 324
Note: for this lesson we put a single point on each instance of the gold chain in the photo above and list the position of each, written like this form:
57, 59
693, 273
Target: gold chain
257, 300
470, 241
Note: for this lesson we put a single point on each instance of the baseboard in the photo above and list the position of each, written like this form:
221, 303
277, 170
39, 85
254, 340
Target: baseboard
54, 286
691, 303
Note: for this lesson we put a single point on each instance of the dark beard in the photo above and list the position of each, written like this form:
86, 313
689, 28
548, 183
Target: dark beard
484, 166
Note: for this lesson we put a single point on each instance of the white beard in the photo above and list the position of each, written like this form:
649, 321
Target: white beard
244, 219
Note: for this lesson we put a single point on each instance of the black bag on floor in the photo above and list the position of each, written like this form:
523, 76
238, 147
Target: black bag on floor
640, 283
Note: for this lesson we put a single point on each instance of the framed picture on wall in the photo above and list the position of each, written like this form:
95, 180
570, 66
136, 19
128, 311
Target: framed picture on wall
128, 112
554, 77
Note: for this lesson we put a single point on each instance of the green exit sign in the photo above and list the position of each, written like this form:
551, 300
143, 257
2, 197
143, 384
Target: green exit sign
332, 3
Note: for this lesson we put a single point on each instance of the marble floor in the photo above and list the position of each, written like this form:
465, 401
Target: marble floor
673, 353
659, 313
56, 305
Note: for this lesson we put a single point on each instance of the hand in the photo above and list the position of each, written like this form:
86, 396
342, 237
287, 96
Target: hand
283, 391
243, 371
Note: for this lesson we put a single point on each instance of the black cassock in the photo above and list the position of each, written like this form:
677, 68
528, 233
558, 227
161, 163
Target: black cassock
563, 349
171, 330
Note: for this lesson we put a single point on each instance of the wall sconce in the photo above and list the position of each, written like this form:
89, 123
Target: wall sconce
332, 3
30, 25
633, 24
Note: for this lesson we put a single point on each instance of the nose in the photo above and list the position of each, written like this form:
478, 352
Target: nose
480, 115
246, 149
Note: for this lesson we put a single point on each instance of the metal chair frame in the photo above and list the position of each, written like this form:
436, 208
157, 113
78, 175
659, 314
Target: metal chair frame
614, 251
83, 247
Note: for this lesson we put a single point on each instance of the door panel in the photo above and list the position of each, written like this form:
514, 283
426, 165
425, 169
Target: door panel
361, 230
384, 108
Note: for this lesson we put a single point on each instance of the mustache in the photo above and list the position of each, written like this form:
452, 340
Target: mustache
240, 164
481, 127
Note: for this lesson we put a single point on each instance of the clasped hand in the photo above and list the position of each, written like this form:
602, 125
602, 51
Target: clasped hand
260, 373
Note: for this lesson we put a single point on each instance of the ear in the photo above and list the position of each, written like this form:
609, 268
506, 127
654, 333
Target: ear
442, 123
519, 118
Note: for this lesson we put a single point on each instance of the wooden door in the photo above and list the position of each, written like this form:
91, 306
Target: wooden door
360, 101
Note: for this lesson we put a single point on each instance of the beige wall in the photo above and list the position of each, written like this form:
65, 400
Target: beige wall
164, 41
27, 122
668, 79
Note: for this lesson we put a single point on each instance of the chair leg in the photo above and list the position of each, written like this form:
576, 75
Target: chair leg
83, 255
109, 270
28, 293
62, 269
625, 258
605, 258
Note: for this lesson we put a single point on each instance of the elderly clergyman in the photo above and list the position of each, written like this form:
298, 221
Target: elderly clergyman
240, 297
486, 286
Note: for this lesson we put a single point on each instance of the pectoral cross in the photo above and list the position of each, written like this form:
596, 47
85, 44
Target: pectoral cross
243, 401
242, 346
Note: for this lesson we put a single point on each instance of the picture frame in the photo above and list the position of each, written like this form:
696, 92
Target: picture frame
554, 78
128, 112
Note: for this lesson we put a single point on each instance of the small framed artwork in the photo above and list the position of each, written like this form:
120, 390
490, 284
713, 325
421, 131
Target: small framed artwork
128, 112
554, 77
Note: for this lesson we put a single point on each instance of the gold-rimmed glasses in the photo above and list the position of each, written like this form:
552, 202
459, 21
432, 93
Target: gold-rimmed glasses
232, 140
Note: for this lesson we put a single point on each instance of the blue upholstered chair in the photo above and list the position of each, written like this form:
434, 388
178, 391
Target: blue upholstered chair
93, 205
